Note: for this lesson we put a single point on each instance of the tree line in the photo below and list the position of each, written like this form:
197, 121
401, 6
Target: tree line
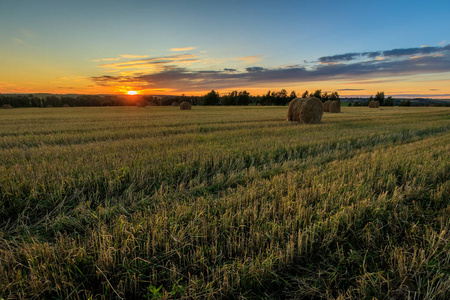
280, 98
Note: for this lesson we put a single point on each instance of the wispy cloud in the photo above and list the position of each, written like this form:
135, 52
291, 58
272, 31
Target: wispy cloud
250, 59
106, 59
183, 49
133, 56
153, 62
443, 42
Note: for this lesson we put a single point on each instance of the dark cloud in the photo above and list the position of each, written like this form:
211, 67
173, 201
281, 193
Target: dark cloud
341, 90
184, 79
254, 69
386, 54
339, 57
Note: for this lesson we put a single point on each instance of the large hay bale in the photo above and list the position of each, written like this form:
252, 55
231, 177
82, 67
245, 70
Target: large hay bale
66, 105
185, 106
305, 110
374, 104
7, 106
326, 106
174, 104
334, 106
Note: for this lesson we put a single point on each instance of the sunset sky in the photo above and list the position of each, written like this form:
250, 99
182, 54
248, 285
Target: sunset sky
191, 47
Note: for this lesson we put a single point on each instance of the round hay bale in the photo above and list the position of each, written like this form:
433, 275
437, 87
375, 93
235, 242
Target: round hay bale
259, 104
7, 106
334, 106
305, 110
66, 105
374, 104
326, 106
185, 106
175, 104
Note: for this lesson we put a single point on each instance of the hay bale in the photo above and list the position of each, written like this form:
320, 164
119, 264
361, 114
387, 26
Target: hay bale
7, 106
174, 104
305, 110
334, 106
49, 106
66, 105
185, 106
374, 104
326, 106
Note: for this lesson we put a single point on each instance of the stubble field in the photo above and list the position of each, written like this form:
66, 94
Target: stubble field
224, 202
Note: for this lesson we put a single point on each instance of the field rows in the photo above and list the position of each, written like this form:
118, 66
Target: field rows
224, 202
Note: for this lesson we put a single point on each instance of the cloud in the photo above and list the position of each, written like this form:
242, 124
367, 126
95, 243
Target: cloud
443, 42
183, 49
105, 59
380, 55
250, 59
133, 56
173, 74
254, 69
342, 90
152, 62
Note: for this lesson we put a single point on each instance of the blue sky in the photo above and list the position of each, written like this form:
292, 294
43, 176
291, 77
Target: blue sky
174, 47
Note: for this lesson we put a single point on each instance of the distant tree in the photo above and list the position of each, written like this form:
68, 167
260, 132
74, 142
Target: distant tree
212, 98
380, 97
293, 95
325, 97
389, 101
305, 94
405, 103
334, 96
317, 94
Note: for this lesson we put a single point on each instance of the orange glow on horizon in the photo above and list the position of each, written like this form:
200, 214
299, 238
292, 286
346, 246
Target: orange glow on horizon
132, 93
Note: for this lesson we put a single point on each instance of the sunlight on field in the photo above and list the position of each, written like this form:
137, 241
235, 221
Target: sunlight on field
223, 202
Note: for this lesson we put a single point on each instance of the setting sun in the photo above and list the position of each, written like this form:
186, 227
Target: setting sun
132, 93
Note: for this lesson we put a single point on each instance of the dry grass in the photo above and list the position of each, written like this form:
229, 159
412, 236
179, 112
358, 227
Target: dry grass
374, 104
334, 106
185, 106
326, 106
307, 111
228, 203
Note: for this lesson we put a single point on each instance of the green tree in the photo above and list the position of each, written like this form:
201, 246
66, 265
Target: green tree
334, 96
317, 94
389, 101
305, 94
212, 98
380, 97
293, 95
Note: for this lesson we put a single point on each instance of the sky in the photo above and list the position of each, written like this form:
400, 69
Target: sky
190, 47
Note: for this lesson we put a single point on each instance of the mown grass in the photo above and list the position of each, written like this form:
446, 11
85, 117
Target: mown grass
224, 203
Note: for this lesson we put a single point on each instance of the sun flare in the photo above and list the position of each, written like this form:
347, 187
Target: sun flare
132, 93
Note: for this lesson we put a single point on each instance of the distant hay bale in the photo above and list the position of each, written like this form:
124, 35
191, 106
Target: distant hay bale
185, 106
326, 106
259, 104
334, 106
374, 104
305, 110
7, 106
66, 105
175, 104
49, 106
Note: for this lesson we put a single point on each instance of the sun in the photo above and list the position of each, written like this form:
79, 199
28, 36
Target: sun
132, 93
